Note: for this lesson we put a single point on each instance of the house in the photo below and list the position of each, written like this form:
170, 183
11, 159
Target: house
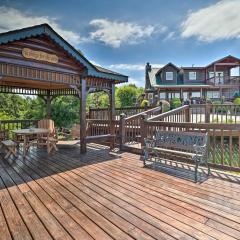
219, 79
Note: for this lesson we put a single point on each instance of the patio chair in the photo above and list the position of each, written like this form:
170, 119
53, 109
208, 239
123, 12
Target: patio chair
10, 148
53, 138
75, 131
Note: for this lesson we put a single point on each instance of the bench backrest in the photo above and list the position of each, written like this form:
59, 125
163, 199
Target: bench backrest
47, 124
180, 140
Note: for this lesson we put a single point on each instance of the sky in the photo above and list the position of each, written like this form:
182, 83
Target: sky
124, 35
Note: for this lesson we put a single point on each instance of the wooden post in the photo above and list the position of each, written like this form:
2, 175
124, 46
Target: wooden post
143, 129
83, 123
207, 113
214, 67
188, 114
167, 95
122, 126
112, 115
181, 94
48, 102
90, 113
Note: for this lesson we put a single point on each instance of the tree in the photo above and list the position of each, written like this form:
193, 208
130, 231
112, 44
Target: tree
127, 95
98, 100
65, 111
13, 106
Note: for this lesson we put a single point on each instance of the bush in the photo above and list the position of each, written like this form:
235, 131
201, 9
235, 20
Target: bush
236, 95
175, 103
144, 103
237, 101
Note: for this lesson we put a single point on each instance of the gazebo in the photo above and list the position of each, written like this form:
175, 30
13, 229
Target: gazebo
38, 61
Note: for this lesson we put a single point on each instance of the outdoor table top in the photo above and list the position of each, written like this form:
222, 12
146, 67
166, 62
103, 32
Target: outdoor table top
30, 131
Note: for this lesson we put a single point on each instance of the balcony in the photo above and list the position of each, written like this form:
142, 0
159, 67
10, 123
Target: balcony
231, 81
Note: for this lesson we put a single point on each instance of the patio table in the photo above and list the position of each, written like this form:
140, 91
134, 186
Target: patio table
26, 133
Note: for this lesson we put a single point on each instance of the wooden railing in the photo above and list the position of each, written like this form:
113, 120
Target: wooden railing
224, 139
132, 124
211, 113
103, 113
100, 127
226, 80
180, 114
7, 125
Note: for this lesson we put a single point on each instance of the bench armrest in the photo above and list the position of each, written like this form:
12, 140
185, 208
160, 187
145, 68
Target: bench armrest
200, 149
149, 143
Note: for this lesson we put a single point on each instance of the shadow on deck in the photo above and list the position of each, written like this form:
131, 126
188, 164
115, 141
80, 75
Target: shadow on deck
102, 195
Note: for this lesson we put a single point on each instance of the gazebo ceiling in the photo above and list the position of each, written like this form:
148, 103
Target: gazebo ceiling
38, 58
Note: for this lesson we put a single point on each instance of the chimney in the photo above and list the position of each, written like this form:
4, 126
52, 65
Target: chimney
148, 69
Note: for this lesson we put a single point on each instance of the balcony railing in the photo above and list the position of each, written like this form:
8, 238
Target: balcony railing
227, 80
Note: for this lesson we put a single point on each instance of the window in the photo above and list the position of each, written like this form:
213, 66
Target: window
192, 76
150, 96
162, 95
213, 94
169, 76
196, 94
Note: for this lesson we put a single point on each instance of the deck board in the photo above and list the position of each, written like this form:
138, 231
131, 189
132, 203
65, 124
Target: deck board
110, 196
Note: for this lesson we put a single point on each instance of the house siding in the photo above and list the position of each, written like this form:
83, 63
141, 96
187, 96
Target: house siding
200, 74
225, 70
163, 75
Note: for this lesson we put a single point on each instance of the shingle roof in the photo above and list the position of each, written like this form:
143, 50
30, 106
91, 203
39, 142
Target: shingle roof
45, 29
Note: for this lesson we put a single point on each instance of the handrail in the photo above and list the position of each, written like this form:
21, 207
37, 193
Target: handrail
169, 113
101, 121
18, 120
220, 126
103, 113
120, 108
145, 112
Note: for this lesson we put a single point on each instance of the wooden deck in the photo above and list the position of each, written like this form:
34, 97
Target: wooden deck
110, 196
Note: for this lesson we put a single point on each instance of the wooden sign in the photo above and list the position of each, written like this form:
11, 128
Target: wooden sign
39, 55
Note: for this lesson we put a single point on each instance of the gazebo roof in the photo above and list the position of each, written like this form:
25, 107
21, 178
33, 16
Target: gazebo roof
45, 29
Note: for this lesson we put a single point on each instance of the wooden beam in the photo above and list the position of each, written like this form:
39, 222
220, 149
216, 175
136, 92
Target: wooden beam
48, 103
112, 114
227, 64
83, 123
112, 102
214, 67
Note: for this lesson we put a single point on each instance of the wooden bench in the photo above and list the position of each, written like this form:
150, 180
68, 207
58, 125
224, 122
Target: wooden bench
190, 145
10, 148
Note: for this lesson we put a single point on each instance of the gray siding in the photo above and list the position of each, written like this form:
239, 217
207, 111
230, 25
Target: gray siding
225, 70
200, 74
163, 75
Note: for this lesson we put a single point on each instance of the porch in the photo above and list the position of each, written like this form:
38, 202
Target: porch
105, 195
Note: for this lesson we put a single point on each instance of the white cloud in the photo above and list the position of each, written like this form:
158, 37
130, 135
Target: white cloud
170, 36
129, 67
115, 33
215, 22
132, 67
138, 82
12, 18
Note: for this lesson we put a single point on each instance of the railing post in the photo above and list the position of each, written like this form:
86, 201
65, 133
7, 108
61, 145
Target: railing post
207, 113
122, 127
143, 129
188, 114
90, 112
